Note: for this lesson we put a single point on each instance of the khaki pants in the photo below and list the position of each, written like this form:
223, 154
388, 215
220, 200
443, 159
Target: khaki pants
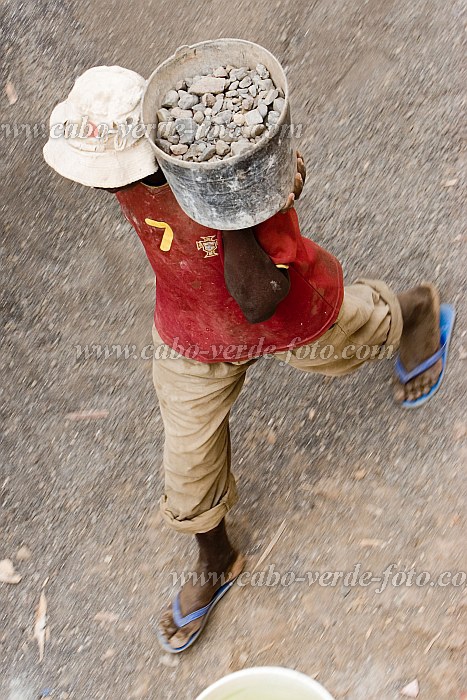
195, 401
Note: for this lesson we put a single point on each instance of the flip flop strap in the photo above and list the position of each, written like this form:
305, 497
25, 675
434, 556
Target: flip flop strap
182, 621
405, 376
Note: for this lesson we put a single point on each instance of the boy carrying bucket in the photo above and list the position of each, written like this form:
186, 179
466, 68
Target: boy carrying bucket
224, 298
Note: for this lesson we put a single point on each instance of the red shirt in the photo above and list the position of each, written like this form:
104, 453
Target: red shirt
195, 313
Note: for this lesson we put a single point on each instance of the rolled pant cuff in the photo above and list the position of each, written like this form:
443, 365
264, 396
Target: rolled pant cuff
205, 521
390, 298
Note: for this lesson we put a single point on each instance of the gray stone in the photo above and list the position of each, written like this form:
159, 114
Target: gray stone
208, 84
178, 113
217, 106
214, 132
186, 100
257, 130
171, 99
188, 137
246, 82
246, 131
164, 115
231, 93
239, 119
266, 85
220, 72
202, 131
262, 109
279, 104
179, 149
253, 90
240, 146
164, 145
273, 117
223, 117
262, 71
198, 117
208, 111
182, 125
229, 136
173, 139
181, 85
186, 129
222, 148
254, 117
208, 99
198, 107
208, 153
191, 154
165, 129
270, 96
247, 103
233, 85
238, 73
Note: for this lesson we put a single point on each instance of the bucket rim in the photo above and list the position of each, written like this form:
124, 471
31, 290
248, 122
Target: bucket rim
186, 48
263, 671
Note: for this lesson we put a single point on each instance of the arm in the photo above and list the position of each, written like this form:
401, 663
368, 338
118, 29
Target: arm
253, 280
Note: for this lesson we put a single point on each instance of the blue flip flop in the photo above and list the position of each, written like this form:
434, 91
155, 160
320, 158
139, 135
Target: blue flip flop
182, 621
447, 317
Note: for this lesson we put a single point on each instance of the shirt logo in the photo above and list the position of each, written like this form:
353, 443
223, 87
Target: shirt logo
168, 234
209, 245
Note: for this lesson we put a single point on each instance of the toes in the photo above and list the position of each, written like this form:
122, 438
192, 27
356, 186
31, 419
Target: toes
413, 390
181, 636
167, 625
420, 386
425, 388
399, 393
172, 634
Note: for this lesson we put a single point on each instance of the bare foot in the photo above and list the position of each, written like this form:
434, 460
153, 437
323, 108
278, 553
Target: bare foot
195, 595
420, 339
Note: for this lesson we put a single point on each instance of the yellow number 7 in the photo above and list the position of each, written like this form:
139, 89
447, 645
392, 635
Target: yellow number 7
168, 236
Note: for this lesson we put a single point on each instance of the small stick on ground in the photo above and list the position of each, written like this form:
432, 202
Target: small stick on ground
271, 545
435, 638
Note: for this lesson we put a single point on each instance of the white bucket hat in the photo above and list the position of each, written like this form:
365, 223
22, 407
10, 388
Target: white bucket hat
96, 136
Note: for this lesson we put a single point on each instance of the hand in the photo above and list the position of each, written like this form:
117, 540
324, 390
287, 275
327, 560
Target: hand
299, 182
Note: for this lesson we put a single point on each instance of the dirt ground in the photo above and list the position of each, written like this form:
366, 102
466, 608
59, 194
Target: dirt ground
379, 88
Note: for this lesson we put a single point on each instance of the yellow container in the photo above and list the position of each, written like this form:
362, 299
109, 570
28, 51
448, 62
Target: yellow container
266, 683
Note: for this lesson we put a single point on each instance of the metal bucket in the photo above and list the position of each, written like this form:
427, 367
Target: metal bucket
242, 190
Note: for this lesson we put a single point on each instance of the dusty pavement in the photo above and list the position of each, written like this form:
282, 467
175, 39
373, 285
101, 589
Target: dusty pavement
378, 87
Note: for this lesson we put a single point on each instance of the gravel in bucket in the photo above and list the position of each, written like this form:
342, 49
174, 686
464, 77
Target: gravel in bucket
211, 117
